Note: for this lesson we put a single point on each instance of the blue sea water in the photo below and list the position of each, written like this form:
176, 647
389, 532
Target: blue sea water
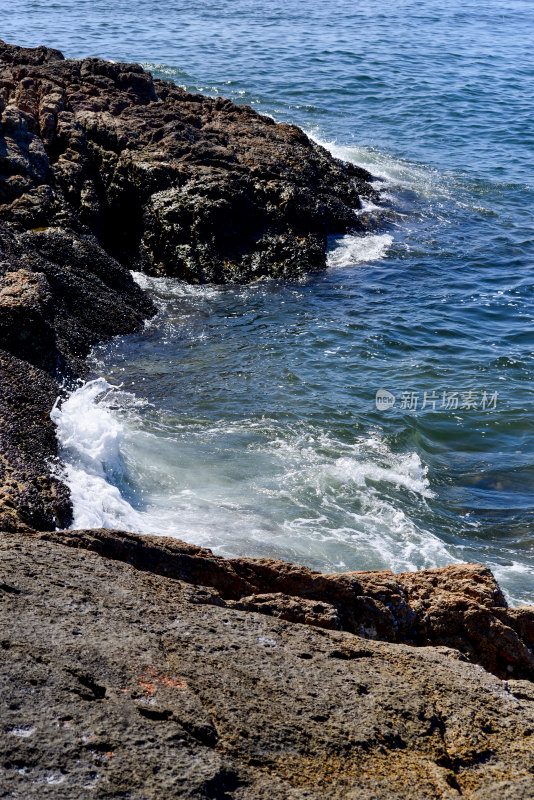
246, 419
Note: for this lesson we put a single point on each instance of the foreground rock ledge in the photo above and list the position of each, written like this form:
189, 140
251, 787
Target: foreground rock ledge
119, 681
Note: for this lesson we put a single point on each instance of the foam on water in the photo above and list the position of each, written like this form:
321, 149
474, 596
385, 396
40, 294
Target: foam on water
314, 499
268, 515
89, 437
173, 286
350, 250
391, 171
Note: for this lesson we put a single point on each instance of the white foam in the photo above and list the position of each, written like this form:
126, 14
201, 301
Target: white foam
203, 503
297, 493
350, 250
381, 165
89, 437
86, 429
393, 173
368, 207
174, 287
358, 497
22, 733
405, 471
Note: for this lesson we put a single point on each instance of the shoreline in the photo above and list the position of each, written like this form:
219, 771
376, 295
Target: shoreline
108, 170
89, 192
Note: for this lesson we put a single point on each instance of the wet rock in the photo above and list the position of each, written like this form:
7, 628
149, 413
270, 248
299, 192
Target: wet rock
26, 314
173, 183
30, 496
60, 293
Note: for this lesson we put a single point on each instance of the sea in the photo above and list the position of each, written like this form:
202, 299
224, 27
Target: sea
378, 415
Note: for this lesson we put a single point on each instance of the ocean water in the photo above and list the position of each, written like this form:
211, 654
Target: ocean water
245, 419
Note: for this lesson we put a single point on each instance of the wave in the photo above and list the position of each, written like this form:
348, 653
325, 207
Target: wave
350, 250
89, 437
311, 497
391, 171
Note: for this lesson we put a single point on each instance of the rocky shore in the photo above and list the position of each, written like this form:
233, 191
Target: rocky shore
102, 170
143, 667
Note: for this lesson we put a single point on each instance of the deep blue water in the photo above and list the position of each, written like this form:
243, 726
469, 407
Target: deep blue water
247, 419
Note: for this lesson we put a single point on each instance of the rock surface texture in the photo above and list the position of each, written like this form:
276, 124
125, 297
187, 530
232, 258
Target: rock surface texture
119, 681
104, 169
460, 606
140, 667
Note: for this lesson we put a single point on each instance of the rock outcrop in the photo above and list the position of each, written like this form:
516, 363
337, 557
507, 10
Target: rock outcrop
59, 294
104, 169
168, 182
460, 606
119, 682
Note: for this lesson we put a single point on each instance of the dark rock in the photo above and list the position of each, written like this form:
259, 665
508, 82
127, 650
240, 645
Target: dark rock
30, 496
169, 182
60, 293
26, 316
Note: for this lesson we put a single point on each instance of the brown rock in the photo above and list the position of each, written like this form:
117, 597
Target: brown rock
26, 315
169, 182
118, 682
30, 497
459, 607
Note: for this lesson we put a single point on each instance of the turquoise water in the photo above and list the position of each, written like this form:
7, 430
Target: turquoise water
247, 418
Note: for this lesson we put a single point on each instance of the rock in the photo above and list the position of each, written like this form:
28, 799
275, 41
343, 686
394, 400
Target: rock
283, 606
26, 315
169, 182
60, 293
121, 682
94, 297
30, 496
523, 690
460, 607
66, 295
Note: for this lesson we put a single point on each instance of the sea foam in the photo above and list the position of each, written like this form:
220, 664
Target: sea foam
315, 499
89, 437
350, 250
